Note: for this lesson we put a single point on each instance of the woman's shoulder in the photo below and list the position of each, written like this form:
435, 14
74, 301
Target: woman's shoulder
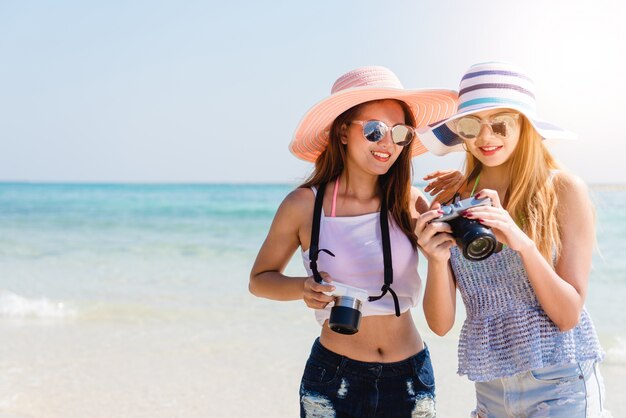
566, 182
295, 210
300, 199
571, 190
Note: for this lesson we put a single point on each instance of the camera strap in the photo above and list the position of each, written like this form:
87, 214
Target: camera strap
315, 233
388, 266
314, 249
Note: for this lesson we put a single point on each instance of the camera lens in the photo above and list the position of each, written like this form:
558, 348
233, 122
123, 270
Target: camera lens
345, 316
474, 239
480, 248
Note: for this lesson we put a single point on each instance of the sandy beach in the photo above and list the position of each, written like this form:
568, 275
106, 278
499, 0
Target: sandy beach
242, 360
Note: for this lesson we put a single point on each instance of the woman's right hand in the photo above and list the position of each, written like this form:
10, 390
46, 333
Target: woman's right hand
313, 294
443, 184
434, 238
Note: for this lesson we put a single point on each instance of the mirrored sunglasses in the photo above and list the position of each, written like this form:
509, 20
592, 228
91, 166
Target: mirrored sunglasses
375, 130
502, 125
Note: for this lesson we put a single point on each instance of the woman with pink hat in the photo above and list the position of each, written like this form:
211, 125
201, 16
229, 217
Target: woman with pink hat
527, 342
353, 220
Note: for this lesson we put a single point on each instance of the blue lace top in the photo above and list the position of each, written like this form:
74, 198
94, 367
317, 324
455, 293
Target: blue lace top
506, 331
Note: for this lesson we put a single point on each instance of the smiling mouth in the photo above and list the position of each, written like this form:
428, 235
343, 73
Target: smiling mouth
381, 156
490, 149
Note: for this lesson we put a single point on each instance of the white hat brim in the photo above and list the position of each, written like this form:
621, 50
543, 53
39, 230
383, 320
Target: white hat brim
440, 139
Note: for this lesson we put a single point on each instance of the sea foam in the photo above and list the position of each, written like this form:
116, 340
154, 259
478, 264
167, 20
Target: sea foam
617, 353
16, 306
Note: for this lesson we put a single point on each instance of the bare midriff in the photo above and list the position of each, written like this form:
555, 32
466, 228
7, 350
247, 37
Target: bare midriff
381, 338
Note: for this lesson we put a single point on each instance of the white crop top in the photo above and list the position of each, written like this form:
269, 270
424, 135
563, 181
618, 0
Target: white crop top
357, 244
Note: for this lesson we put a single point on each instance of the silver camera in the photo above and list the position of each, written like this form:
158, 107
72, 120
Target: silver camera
345, 315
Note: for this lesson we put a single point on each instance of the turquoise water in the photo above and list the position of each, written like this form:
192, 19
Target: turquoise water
214, 214
84, 243
80, 243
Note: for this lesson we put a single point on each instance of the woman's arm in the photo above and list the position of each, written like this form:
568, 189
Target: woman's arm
283, 239
440, 298
560, 291
435, 241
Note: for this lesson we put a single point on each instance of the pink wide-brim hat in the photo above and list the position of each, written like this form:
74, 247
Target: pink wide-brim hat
363, 85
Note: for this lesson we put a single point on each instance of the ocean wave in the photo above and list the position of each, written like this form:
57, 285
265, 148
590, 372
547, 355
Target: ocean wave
617, 353
16, 306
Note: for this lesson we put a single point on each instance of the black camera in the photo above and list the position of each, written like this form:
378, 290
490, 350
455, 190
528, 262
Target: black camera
474, 239
345, 315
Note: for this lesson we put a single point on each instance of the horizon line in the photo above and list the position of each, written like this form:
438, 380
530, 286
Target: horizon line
203, 183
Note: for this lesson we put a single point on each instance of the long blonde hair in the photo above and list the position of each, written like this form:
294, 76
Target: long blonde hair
531, 198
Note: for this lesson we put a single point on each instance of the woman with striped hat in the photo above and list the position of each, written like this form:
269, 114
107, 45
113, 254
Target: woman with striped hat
527, 342
353, 220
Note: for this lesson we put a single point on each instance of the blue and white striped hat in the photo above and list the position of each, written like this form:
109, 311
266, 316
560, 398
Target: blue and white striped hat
487, 86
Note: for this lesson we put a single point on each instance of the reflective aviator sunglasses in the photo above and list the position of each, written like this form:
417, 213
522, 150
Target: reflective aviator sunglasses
375, 130
502, 125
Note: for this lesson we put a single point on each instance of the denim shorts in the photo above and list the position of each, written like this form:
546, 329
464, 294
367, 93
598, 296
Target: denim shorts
574, 390
336, 386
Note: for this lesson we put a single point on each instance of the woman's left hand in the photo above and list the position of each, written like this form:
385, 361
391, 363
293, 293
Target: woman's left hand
497, 218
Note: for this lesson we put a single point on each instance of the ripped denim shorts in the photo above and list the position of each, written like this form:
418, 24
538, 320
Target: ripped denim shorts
336, 386
573, 390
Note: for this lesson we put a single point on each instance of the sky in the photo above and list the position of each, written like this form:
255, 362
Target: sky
204, 91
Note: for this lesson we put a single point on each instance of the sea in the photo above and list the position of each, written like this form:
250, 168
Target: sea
131, 300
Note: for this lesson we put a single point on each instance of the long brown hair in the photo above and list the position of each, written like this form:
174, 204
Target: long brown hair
531, 196
394, 186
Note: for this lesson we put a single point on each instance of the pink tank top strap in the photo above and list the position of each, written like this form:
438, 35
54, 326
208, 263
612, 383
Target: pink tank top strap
332, 208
